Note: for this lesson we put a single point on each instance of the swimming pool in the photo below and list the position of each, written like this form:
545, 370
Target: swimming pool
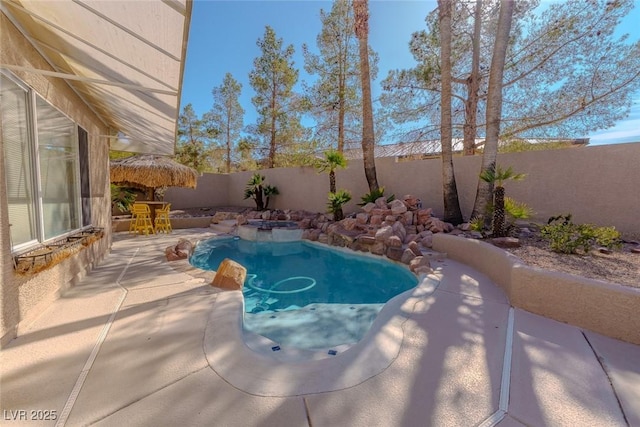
307, 295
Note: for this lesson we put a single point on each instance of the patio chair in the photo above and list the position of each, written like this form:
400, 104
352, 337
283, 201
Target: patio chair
162, 221
141, 219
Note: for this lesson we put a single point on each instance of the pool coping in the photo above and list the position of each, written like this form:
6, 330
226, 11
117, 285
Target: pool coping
264, 374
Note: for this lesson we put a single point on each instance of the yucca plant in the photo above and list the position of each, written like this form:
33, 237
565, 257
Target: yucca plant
372, 196
258, 190
498, 177
336, 201
268, 191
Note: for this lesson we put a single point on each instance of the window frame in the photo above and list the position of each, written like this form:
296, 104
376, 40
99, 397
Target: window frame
36, 180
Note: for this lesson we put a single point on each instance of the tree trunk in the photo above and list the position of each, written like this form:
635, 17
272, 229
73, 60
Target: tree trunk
473, 87
494, 108
341, 112
332, 181
452, 211
498, 213
361, 13
259, 201
272, 141
228, 143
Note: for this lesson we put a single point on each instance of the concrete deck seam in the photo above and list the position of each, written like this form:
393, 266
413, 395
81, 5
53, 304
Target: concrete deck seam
306, 411
471, 296
505, 384
606, 373
133, 402
75, 392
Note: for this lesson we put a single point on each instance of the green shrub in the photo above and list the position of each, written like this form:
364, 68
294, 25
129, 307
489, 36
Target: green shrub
122, 197
336, 200
477, 223
566, 237
372, 196
517, 210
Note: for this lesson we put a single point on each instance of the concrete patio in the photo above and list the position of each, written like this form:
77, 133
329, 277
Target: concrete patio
137, 342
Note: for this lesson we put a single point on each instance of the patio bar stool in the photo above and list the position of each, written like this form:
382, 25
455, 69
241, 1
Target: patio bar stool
162, 221
141, 219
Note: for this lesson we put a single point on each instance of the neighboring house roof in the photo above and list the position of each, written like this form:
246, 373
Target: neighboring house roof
124, 59
422, 149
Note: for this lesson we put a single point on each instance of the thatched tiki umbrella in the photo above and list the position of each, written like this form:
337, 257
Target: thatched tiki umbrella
150, 171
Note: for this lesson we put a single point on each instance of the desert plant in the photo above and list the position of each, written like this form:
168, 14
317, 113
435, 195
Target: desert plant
258, 190
372, 196
477, 223
332, 161
269, 191
564, 236
336, 201
122, 198
498, 177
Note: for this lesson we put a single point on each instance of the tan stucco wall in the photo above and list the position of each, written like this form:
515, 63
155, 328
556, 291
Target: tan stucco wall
599, 184
212, 190
22, 299
606, 308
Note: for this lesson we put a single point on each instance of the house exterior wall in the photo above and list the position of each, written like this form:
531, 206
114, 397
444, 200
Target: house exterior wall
598, 184
23, 298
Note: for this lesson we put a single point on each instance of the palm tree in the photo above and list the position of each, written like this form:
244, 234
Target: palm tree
494, 107
452, 211
332, 161
361, 15
269, 190
497, 178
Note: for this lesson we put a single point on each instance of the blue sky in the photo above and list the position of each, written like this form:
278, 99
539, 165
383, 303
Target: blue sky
223, 39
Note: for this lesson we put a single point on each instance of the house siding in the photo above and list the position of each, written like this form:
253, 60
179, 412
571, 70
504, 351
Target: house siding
22, 298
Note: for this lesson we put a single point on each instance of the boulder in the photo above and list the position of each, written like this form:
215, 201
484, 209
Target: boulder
394, 253
423, 216
506, 242
408, 218
375, 220
369, 207
411, 201
413, 246
381, 202
362, 218
377, 248
241, 220
398, 207
418, 262
348, 223
384, 233
394, 241
427, 241
407, 256
230, 275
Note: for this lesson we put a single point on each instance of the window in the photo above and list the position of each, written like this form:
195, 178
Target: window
42, 167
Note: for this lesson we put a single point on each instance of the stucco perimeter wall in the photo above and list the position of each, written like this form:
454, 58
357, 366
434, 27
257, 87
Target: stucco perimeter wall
599, 185
606, 308
22, 298
212, 190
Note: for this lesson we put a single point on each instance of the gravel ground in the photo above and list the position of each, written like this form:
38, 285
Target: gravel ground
622, 266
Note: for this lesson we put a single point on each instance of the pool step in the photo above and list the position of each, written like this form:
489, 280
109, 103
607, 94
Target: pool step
227, 226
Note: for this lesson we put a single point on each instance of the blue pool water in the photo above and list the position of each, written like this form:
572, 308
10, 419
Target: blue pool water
307, 295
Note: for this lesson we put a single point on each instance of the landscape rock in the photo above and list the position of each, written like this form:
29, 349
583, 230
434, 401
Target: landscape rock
411, 201
394, 241
362, 218
394, 253
381, 202
407, 256
384, 233
506, 242
423, 270
413, 246
398, 207
423, 216
377, 248
369, 207
229, 275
